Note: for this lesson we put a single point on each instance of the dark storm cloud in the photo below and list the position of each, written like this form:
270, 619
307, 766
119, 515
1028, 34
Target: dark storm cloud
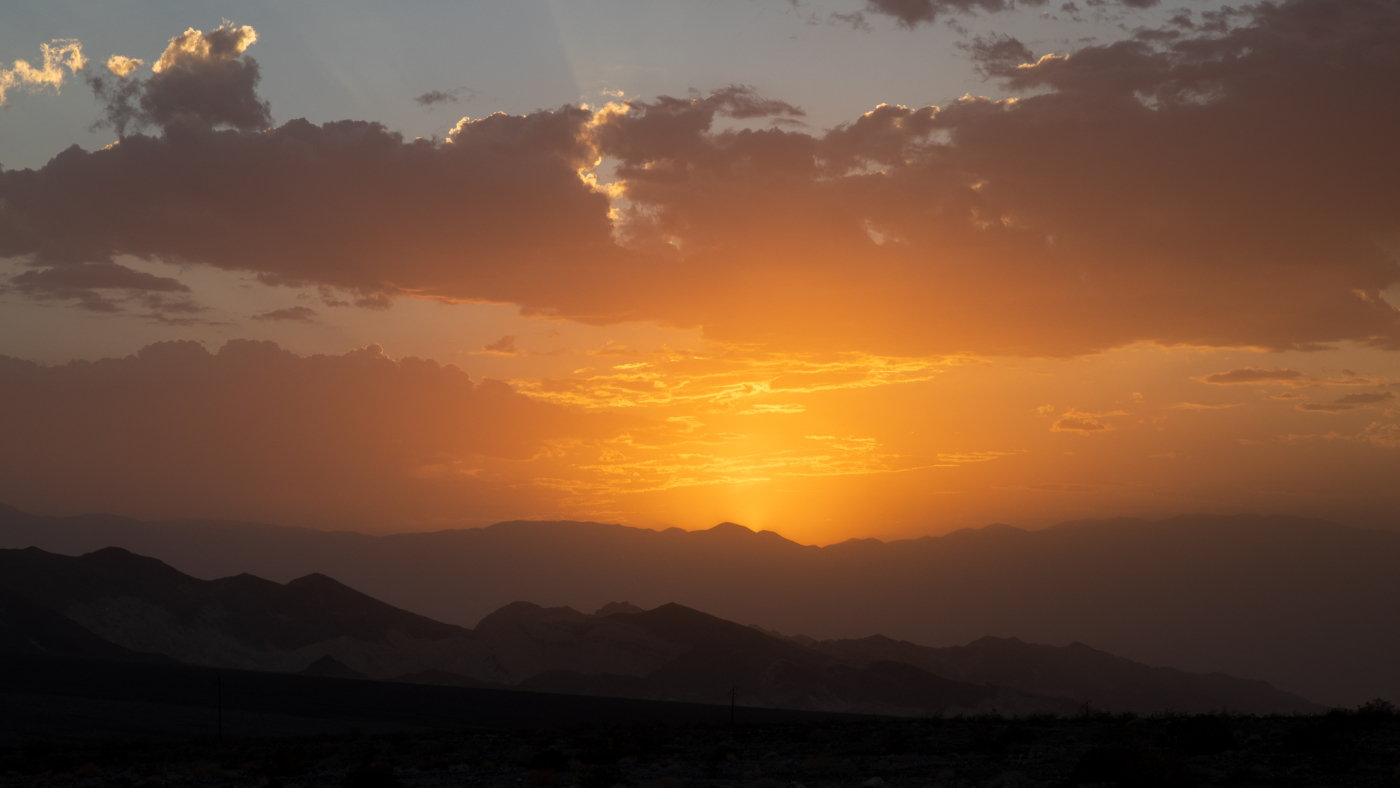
1221, 188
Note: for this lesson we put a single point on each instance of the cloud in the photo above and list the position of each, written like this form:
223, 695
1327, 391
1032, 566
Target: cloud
1248, 222
202, 81
1382, 435
1250, 375
1083, 423
97, 287
997, 55
719, 380
59, 53
760, 410
303, 314
505, 346
1202, 406
435, 97
1313, 407
257, 432
123, 66
912, 13
1366, 398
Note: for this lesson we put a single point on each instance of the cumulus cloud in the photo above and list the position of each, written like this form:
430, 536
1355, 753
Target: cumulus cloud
1167, 188
202, 81
60, 53
255, 431
123, 66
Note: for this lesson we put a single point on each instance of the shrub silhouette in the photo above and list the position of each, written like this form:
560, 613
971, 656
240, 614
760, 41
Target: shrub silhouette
372, 775
1203, 735
1128, 767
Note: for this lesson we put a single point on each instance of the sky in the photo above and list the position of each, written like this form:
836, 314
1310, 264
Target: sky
838, 269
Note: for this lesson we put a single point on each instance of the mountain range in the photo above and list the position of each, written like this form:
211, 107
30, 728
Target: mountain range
1308, 606
112, 604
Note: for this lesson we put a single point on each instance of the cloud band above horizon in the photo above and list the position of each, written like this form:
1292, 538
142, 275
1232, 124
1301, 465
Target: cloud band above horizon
1184, 187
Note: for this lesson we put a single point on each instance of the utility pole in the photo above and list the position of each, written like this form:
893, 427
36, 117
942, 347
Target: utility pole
733, 701
219, 683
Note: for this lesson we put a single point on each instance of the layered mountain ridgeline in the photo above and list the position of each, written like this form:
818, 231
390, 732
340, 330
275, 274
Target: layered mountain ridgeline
141, 605
1306, 605
112, 604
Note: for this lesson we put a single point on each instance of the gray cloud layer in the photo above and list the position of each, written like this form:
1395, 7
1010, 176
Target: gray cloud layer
1197, 184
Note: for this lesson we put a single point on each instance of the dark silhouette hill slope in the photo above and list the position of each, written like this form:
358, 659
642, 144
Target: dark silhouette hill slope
111, 603
1075, 671
27, 627
715, 656
318, 627
144, 605
1303, 604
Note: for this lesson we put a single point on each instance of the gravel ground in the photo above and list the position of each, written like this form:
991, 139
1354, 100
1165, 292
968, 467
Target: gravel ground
1347, 748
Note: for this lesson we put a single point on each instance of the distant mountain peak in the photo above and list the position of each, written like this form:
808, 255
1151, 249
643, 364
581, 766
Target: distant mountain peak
615, 608
732, 528
521, 613
315, 580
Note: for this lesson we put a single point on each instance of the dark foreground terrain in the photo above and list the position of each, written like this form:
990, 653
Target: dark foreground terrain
1338, 749
69, 722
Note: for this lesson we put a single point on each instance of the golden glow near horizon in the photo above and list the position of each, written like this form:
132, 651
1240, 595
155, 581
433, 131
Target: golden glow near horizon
834, 306
821, 448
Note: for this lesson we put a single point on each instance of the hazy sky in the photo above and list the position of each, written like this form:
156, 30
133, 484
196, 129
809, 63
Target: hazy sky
836, 269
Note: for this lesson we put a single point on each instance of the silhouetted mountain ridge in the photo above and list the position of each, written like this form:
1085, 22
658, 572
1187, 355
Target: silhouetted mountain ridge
317, 626
1303, 604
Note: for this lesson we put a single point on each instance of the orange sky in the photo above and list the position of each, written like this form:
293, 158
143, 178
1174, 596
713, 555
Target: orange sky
1150, 276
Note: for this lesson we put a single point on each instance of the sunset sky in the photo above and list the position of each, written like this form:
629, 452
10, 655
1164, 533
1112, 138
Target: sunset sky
832, 268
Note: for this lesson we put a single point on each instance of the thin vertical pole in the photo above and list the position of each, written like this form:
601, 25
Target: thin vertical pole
733, 701
220, 684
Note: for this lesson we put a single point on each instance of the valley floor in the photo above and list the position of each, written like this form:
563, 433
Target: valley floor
1341, 748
